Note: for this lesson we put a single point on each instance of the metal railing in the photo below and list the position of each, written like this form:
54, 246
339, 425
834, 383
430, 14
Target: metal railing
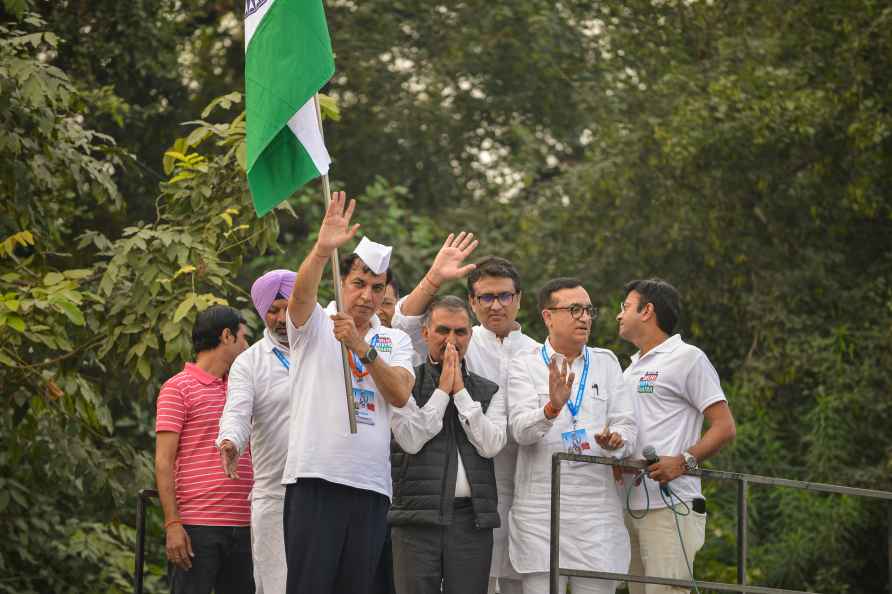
743, 482
141, 502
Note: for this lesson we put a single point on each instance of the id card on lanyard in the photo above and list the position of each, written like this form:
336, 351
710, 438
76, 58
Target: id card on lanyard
575, 441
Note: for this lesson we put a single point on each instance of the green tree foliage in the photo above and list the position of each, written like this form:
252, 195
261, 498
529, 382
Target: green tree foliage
739, 149
91, 324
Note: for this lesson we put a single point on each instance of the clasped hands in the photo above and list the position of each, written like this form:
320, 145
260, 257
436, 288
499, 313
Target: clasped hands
451, 380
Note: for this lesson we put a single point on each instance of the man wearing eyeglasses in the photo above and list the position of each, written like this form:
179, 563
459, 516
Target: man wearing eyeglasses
566, 396
494, 294
675, 387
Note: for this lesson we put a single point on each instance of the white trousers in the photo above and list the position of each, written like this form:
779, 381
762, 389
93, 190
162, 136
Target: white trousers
268, 545
538, 583
656, 549
504, 586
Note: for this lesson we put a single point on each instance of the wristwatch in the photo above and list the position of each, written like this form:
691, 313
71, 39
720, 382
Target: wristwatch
369, 356
690, 462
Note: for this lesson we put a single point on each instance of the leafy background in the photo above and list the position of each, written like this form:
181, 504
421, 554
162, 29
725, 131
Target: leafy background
739, 149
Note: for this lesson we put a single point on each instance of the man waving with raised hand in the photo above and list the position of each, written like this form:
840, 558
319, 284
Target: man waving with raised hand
569, 397
494, 294
338, 485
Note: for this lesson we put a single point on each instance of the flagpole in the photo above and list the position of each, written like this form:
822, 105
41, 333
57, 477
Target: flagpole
336, 278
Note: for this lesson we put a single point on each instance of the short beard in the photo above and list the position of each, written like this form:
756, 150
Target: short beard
282, 336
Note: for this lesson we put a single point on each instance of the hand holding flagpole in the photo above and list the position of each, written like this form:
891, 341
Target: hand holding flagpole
336, 278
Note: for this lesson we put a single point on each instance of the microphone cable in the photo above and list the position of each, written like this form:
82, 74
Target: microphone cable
665, 491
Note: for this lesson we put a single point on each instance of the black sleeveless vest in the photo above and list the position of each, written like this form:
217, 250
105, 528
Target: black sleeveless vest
424, 483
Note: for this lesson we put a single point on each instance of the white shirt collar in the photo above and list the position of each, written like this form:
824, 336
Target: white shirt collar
667, 346
549, 350
269, 343
488, 334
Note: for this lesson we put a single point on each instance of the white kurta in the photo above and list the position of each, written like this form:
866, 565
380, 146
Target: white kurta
593, 535
256, 411
489, 357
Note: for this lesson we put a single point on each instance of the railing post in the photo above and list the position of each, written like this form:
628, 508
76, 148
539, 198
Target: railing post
140, 542
742, 516
554, 539
889, 544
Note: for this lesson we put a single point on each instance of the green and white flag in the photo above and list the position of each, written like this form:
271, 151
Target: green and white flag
288, 58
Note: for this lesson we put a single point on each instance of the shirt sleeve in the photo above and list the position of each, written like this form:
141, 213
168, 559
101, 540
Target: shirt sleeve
525, 416
413, 426
402, 355
488, 432
235, 423
171, 409
621, 415
411, 325
308, 331
702, 385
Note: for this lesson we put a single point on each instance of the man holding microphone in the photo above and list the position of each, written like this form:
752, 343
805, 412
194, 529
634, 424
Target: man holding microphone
675, 387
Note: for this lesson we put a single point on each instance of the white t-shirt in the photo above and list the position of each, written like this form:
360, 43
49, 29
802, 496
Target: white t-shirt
673, 384
320, 444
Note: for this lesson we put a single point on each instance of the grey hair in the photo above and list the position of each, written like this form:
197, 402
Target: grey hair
448, 302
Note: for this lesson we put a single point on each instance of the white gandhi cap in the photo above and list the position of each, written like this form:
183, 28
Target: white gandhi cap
375, 255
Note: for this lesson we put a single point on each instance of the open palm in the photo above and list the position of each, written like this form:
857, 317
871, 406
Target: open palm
336, 229
448, 263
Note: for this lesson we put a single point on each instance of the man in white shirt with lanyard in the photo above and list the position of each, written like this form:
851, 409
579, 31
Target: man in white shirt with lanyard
568, 397
494, 294
337, 484
675, 387
256, 411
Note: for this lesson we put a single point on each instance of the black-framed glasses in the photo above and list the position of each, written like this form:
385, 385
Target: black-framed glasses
623, 306
577, 309
505, 298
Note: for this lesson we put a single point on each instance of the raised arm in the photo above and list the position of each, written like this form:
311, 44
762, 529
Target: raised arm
447, 266
334, 232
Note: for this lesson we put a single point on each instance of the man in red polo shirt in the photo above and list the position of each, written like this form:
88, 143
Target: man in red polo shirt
207, 516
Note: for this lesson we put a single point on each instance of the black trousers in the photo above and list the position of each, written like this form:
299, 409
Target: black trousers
457, 556
334, 536
384, 575
222, 562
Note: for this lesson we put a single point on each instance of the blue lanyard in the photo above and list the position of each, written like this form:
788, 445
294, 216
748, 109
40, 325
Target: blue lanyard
282, 358
574, 406
356, 362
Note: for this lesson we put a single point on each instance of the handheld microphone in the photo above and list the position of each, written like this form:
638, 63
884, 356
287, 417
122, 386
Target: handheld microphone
650, 456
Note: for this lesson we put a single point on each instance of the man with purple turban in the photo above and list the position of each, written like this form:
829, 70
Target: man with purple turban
257, 410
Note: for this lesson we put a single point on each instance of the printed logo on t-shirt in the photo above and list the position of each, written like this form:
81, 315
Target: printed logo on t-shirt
647, 381
383, 344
